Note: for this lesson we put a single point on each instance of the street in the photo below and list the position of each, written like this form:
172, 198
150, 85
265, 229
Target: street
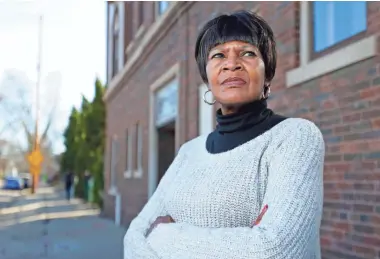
45, 225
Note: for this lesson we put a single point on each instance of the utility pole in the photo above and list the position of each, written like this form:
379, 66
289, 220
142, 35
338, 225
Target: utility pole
35, 158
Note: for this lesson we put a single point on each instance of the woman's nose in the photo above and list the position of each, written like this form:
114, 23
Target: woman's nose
232, 64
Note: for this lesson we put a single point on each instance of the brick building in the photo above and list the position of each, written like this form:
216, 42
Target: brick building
328, 71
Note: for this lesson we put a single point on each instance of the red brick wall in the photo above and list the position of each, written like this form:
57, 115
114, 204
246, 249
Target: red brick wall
345, 105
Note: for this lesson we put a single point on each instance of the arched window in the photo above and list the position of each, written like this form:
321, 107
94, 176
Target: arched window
116, 43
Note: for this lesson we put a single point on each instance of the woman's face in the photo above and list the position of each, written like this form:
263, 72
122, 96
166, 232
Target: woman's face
236, 73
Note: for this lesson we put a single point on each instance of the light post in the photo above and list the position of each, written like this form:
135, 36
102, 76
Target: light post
35, 158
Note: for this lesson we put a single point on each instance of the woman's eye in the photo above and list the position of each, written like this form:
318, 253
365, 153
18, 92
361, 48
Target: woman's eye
249, 54
217, 55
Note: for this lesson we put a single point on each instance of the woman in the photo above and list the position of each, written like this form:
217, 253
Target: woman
69, 184
218, 184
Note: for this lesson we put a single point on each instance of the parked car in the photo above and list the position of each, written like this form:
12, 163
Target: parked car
13, 183
26, 179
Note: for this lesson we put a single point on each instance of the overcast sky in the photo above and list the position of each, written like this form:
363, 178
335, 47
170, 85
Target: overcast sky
74, 50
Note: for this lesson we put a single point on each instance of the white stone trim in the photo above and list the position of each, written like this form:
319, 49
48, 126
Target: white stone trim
136, 38
114, 161
121, 34
172, 73
140, 31
128, 174
111, 12
138, 173
111, 16
130, 141
304, 34
118, 209
345, 56
112, 191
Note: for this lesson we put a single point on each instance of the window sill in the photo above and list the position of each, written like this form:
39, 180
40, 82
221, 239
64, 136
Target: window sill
113, 191
128, 174
138, 173
135, 174
353, 53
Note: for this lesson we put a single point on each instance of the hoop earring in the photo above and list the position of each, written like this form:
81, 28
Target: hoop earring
266, 93
205, 99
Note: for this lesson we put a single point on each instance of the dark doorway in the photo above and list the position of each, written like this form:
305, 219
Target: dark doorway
166, 148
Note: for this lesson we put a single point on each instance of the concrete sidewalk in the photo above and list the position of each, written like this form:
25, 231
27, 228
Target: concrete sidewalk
45, 225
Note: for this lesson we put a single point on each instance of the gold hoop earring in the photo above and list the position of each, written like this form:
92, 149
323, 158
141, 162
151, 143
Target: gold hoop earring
205, 99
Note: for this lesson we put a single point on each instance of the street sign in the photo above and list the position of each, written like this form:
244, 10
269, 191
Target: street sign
35, 169
35, 158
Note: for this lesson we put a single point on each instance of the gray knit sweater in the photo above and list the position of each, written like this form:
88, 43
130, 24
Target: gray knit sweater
214, 198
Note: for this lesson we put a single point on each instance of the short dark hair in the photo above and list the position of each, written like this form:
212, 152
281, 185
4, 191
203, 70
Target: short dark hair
240, 26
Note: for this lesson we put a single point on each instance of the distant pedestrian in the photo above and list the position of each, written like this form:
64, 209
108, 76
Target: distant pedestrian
69, 179
87, 178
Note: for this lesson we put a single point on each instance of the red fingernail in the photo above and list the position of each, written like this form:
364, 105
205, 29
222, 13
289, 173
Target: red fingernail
261, 215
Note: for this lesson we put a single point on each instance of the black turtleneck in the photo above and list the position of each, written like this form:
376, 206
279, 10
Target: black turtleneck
250, 121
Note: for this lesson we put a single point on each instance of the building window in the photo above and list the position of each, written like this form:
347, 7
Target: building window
162, 6
114, 161
333, 35
116, 43
127, 172
335, 22
128, 21
128, 149
139, 149
141, 14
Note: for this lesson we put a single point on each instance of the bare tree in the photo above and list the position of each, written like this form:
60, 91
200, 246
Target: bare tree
18, 114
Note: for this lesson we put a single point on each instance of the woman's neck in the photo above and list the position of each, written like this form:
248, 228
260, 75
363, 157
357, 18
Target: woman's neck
244, 117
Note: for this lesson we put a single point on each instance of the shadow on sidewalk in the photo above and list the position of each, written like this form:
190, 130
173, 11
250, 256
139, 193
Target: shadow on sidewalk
46, 225
49, 203
8, 197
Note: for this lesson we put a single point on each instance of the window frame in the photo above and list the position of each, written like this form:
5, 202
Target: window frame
309, 69
127, 172
126, 149
116, 44
137, 27
336, 46
129, 154
139, 150
140, 8
113, 163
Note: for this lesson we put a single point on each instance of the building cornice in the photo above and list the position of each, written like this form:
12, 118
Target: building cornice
152, 36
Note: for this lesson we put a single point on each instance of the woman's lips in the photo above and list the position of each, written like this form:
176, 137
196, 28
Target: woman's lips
234, 81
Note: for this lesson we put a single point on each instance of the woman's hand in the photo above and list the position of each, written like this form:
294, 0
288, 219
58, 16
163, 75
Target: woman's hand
159, 220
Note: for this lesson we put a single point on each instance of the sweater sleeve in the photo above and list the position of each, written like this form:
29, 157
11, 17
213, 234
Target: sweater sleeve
135, 245
290, 227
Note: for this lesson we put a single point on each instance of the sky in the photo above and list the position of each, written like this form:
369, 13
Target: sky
73, 54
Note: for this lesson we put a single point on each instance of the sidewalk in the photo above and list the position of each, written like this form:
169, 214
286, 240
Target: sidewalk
45, 225
7, 197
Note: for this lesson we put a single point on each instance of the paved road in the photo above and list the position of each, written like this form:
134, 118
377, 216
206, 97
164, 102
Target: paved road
46, 226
